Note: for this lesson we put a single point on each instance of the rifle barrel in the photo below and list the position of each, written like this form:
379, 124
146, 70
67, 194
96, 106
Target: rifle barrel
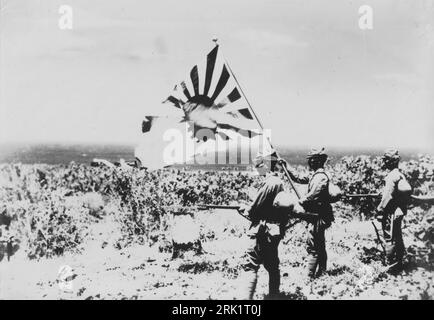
362, 195
215, 206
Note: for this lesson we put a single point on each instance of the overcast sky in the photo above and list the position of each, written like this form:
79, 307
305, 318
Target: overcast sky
312, 75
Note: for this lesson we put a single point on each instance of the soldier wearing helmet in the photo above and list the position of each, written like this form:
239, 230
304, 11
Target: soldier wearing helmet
392, 209
316, 200
266, 230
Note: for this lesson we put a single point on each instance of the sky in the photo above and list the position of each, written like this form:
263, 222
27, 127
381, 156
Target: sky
311, 74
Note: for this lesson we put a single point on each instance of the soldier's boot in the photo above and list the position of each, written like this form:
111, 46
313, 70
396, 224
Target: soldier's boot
322, 264
312, 263
400, 261
250, 279
313, 250
391, 259
274, 284
399, 257
400, 251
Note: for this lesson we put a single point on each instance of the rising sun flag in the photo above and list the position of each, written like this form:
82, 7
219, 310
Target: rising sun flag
210, 118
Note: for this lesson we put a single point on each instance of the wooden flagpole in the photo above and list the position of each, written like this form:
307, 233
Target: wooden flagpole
257, 119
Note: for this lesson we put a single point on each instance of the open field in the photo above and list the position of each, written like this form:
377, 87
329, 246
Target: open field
80, 232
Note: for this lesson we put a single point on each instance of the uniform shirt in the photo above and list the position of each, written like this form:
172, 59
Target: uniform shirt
389, 199
317, 190
262, 207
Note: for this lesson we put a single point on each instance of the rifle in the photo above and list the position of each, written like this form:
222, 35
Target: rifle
216, 206
380, 240
202, 207
361, 195
303, 216
413, 200
423, 199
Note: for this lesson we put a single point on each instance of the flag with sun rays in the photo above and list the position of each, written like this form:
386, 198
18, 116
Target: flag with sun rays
211, 98
210, 117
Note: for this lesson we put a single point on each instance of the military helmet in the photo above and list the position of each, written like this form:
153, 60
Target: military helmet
317, 154
259, 159
391, 156
269, 160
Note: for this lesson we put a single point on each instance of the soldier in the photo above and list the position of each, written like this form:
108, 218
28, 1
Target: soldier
392, 209
317, 200
266, 230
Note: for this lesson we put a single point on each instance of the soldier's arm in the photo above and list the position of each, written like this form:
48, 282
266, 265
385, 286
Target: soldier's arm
318, 184
297, 177
251, 209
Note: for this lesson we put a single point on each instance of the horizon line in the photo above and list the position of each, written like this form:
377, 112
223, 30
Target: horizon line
132, 144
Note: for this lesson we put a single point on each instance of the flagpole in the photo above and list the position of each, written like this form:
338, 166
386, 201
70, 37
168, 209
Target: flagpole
257, 119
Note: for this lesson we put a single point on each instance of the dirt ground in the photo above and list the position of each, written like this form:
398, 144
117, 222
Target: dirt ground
102, 271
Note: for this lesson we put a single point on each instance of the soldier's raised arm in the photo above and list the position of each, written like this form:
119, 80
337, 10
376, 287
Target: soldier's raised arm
297, 177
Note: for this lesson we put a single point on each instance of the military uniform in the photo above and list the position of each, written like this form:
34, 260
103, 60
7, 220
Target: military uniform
393, 209
265, 233
316, 201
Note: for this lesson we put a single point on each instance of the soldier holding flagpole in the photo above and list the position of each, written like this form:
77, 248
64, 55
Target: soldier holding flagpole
316, 200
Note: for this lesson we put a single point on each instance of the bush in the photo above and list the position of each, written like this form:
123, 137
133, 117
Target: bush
363, 174
51, 207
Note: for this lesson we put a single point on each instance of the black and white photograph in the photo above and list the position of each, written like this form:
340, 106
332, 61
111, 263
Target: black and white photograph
236, 150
